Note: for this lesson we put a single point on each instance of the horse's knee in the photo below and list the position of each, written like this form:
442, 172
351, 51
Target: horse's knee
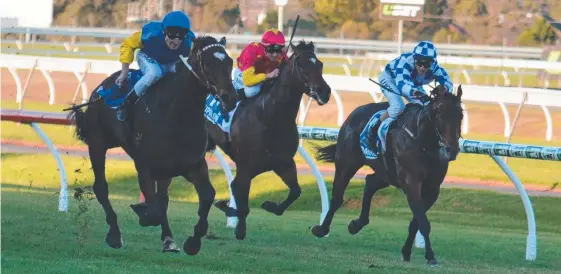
208, 193
296, 191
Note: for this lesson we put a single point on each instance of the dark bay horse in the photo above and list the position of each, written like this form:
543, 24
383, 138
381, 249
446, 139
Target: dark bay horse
264, 135
419, 146
166, 138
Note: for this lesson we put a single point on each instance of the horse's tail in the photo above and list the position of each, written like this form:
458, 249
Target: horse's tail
79, 117
327, 153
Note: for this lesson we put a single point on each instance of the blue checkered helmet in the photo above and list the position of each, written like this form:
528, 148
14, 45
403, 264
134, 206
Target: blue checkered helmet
425, 49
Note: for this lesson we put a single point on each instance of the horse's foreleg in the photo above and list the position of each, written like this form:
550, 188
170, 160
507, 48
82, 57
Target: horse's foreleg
419, 209
287, 172
200, 179
371, 186
101, 191
240, 189
163, 200
343, 175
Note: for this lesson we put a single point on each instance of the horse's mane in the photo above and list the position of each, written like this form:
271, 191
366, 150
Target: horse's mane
202, 41
303, 46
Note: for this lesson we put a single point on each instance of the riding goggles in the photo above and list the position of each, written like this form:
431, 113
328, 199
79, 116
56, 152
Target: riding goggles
176, 33
274, 48
423, 62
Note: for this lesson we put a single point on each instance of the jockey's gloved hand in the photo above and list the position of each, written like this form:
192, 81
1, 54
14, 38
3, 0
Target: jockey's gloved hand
421, 95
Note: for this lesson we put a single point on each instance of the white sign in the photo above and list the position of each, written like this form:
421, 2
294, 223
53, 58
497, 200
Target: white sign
281, 2
404, 2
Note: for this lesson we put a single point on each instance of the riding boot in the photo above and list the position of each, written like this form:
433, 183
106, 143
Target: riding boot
382, 118
241, 94
384, 126
122, 113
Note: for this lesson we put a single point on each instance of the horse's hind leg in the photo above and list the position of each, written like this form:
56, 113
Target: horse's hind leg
101, 190
372, 185
163, 201
343, 175
287, 172
198, 176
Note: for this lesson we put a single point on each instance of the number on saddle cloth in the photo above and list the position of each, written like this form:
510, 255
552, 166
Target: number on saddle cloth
114, 95
369, 137
213, 113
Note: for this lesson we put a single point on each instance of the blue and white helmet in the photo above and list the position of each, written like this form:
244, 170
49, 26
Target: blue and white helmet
425, 49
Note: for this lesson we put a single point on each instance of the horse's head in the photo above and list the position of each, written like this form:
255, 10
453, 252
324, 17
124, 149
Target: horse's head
307, 68
446, 112
213, 66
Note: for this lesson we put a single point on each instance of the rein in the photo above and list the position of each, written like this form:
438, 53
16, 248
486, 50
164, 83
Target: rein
206, 82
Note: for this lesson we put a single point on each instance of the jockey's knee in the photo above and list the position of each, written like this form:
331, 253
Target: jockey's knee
252, 91
396, 108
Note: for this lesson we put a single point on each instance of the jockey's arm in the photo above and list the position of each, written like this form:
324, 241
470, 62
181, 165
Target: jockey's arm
443, 78
403, 80
249, 77
128, 46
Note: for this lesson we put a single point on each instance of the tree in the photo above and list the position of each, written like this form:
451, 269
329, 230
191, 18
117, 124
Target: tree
330, 15
541, 33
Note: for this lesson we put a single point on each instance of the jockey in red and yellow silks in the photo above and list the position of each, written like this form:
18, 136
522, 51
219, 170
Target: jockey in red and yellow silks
259, 61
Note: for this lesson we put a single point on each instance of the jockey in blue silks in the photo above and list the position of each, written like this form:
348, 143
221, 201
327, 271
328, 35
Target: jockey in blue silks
160, 45
405, 76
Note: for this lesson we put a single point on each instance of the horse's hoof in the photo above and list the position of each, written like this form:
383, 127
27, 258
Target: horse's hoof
170, 246
223, 206
355, 226
140, 209
406, 258
432, 263
113, 238
319, 231
192, 245
271, 207
240, 232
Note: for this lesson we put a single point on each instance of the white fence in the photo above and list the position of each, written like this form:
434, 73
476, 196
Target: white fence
321, 43
489, 94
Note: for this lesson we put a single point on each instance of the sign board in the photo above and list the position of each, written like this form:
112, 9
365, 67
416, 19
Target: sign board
407, 10
281, 2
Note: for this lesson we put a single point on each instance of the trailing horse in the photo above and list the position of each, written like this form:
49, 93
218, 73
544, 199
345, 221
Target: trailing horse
419, 146
264, 135
166, 138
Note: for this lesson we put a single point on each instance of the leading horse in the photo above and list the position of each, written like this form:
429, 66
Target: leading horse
166, 138
264, 135
419, 146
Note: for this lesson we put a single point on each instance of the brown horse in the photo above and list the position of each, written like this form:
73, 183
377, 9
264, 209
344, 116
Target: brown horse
419, 146
166, 138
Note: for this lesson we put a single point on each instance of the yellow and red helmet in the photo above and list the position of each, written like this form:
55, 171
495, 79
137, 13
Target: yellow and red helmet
273, 37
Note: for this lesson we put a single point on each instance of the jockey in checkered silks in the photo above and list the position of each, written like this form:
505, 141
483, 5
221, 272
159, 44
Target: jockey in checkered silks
405, 76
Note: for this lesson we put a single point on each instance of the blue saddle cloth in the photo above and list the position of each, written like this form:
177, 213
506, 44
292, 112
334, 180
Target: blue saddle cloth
114, 95
367, 136
213, 113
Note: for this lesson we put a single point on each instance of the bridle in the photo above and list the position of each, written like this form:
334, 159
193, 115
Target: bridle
297, 71
209, 86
